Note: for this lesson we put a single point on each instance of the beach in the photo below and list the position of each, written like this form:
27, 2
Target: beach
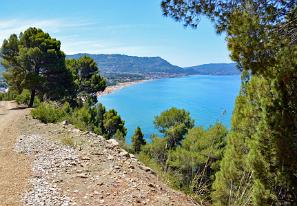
118, 86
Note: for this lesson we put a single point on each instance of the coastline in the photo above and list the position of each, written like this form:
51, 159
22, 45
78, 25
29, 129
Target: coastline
119, 86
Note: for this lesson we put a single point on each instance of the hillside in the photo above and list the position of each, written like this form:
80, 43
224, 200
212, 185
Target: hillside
117, 63
57, 164
123, 68
214, 69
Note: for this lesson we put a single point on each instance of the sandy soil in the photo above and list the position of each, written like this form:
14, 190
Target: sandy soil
119, 86
15, 168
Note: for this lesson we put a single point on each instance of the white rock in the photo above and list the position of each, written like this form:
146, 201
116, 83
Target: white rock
113, 142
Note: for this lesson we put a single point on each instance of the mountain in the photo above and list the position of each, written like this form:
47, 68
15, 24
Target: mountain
214, 69
117, 63
122, 68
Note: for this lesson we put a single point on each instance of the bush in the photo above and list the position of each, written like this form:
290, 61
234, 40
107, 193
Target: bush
81, 118
48, 112
157, 150
8, 96
68, 141
24, 97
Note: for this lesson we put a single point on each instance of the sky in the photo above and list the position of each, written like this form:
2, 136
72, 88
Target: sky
131, 27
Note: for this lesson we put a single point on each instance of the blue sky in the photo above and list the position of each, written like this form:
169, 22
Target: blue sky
132, 27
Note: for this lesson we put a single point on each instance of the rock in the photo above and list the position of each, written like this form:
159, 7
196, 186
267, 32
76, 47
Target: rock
147, 169
84, 158
124, 154
75, 130
83, 175
97, 153
110, 157
113, 143
132, 156
65, 122
117, 167
151, 185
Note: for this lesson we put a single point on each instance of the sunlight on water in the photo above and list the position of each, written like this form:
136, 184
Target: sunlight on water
208, 98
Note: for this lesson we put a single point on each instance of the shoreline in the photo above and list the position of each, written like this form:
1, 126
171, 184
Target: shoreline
119, 86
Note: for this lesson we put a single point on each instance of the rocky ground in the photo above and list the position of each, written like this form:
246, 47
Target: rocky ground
71, 167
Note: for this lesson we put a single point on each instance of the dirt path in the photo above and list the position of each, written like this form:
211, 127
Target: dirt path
15, 168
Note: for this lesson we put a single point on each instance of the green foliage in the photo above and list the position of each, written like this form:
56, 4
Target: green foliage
191, 165
82, 118
138, 140
113, 122
8, 96
35, 62
259, 165
197, 158
120, 137
174, 124
86, 77
157, 150
99, 127
24, 98
68, 140
48, 112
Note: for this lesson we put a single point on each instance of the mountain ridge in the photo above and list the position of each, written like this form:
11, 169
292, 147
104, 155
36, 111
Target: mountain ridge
120, 63
118, 67
215, 69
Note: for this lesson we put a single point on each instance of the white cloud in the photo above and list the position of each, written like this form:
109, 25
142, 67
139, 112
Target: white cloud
73, 40
15, 26
73, 46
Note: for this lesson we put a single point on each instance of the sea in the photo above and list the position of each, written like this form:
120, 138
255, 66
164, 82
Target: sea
208, 98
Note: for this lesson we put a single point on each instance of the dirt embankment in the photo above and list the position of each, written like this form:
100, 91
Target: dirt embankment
71, 167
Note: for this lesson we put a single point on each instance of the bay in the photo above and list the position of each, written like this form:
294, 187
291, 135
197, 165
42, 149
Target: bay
209, 99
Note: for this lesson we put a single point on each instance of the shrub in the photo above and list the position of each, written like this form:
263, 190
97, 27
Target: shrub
68, 141
24, 97
8, 96
157, 149
48, 112
138, 140
81, 118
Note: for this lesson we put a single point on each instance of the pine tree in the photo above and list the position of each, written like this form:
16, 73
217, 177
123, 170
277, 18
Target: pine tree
112, 123
100, 111
174, 124
197, 158
138, 140
86, 77
259, 165
35, 62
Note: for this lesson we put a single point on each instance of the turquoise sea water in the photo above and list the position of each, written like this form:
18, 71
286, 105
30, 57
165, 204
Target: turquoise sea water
208, 98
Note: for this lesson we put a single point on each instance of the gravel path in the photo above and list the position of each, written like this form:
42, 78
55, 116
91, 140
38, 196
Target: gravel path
14, 168
49, 159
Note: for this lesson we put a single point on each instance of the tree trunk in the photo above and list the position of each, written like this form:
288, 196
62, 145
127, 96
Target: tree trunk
32, 98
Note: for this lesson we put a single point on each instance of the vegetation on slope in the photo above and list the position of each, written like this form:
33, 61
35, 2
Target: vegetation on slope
259, 165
